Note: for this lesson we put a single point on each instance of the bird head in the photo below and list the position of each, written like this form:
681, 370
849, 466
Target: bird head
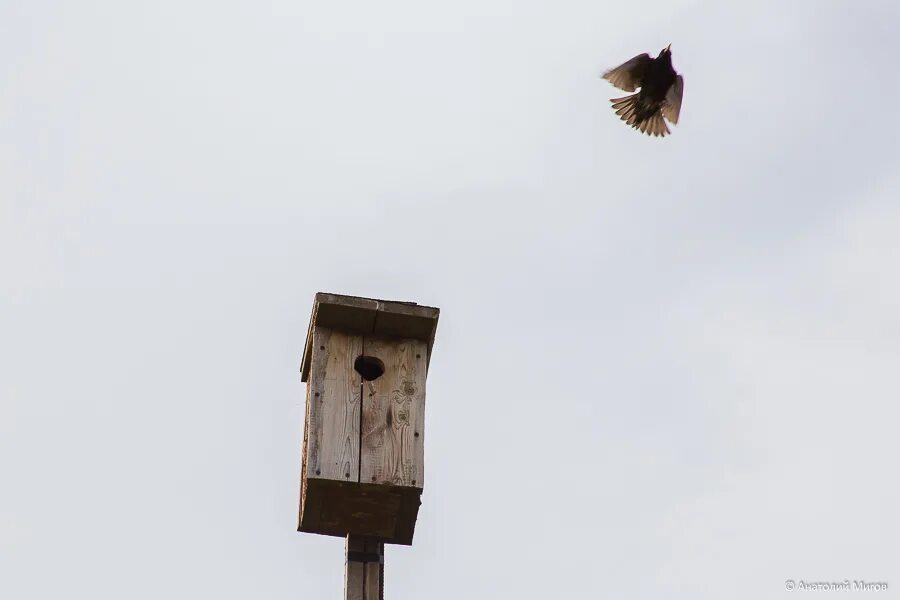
665, 55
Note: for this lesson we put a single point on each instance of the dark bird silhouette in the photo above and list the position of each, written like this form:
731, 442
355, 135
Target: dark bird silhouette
660, 95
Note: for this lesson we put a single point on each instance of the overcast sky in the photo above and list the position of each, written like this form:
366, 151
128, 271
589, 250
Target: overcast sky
665, 368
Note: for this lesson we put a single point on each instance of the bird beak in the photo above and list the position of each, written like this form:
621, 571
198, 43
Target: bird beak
668, 48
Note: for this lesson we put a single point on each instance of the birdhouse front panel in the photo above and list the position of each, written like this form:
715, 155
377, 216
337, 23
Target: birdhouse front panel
363, 450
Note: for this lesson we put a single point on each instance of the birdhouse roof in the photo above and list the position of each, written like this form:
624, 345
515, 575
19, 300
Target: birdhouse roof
371, 317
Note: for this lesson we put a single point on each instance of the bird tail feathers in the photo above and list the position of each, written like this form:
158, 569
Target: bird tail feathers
629, 110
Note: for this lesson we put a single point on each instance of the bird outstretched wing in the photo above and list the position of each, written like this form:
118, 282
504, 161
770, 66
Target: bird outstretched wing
671, 108
627, 76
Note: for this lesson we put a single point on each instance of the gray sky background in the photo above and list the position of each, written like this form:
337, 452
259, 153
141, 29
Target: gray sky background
664, 368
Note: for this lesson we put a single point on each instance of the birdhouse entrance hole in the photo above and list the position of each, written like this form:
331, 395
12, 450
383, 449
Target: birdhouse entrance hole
369, 367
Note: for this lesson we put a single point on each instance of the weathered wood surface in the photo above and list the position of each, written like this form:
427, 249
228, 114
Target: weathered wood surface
364, 569
393, 418
334, 414
370, 317
304, 453
385, 512
363, 466
363, 449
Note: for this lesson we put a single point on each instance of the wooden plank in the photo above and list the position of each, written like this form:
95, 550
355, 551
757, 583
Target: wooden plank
373, 577
364, 569
394, 414
384, 512
406, 515
360, 510
319, 339
334, 407
353, 570
338, 301
303, 462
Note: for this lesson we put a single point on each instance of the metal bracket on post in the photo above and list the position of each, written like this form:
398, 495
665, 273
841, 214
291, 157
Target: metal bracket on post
363, 569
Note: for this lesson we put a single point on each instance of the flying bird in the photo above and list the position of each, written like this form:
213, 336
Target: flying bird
659, 97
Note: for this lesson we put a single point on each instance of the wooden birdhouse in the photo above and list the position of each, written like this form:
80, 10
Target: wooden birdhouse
365, 364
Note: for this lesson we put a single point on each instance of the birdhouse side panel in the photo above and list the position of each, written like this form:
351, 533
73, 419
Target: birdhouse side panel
333, 416
304, 453
394, 414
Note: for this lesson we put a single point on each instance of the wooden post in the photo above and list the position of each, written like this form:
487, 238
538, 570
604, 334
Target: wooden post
364, 569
